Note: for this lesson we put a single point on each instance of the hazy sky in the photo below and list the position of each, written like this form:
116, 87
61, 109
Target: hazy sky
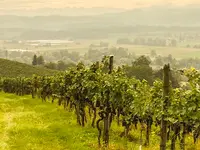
34, 4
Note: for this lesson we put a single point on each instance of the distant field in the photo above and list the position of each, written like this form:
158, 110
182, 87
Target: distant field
177, 52
82, 46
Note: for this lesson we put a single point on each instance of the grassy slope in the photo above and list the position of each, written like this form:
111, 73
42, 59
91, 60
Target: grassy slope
10, 68
29, 124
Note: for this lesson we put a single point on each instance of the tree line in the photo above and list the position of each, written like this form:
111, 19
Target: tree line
148, 41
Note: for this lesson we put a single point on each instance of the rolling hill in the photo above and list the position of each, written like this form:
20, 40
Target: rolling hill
155, 15
10, 68
63, 26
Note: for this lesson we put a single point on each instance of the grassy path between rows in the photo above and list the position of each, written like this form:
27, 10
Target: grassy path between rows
29, 124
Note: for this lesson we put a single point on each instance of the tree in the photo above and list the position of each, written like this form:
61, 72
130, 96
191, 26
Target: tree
64, 53
174, 43
142, 60
34, 62
140, 69
61, 65
51, 65
159, 61
175, 77
124, 41
170, 58
40, 60
74, 56
70, 65
153, 53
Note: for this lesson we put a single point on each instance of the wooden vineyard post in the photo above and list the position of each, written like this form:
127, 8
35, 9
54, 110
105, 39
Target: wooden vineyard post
107, 113
166, 88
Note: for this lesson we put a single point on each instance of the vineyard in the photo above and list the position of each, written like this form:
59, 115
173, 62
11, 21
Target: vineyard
103, 94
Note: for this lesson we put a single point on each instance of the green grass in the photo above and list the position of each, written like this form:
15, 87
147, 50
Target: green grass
29, 124
10, 68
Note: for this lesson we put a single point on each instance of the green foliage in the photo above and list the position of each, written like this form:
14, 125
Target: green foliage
141, 61
34, 62
153, 53
105, 90
40, 60
140, 69
174, 77
61, 65
51, 65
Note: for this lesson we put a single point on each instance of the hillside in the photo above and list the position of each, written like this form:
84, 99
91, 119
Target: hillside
163, 16
10, 68
62, 26
156, 15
